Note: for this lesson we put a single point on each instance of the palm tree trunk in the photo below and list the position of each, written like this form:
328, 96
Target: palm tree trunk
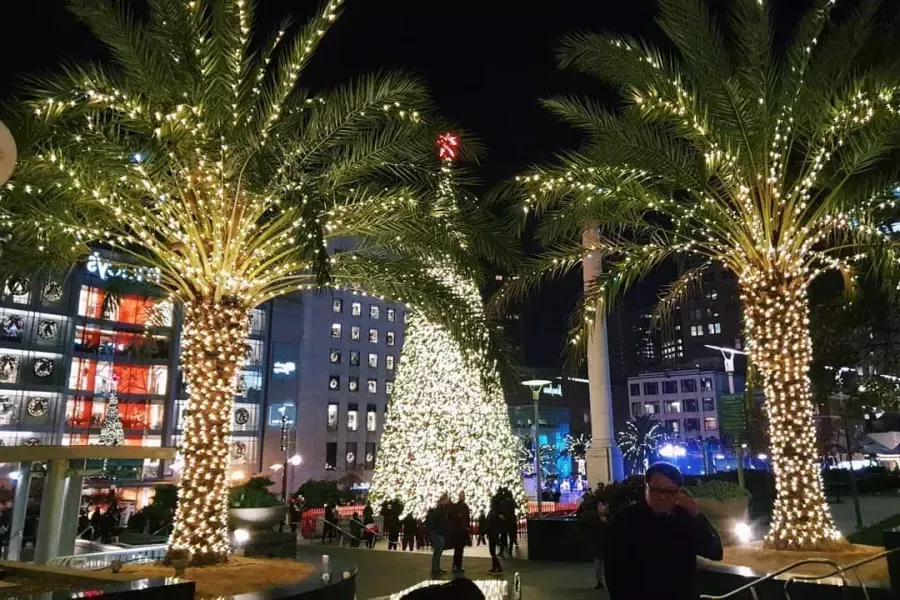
212, 352
777, 322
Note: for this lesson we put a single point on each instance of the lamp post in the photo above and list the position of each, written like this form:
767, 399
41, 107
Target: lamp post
536, 385
728, 358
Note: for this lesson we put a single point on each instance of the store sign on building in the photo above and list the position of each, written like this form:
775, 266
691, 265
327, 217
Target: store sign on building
553, 390
288, 411
284, 368
97, 265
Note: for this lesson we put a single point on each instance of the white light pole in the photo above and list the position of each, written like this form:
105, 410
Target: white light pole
728, 357
536, 385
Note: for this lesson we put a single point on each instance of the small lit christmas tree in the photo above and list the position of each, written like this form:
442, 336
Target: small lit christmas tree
112, 433
447, 427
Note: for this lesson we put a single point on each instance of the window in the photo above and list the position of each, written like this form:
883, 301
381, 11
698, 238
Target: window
651, 408
350, 455
373, 336
391, 315
370, 455
354, 333
713, 328
692, 424
334, 383
635, 409
353, 384
336, 330
690, 405
332, 416
371, 417
712, 295
696, 330
352, 417
709, 423
651, 389
373, 386
673, 426
330, 456
406, 318
335, 356
709, 404
706, 384
696, 314
689, 385
354, 358
374, 311
388, 387
672, 406
337, 305
373, 360
390, 338
670, 387
635, 389
356, 309
389, 362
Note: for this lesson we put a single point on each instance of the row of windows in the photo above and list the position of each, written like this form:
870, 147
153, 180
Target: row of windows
352, 419
337, 305
687, 405
334, 384
352, 459
651, 388
390, 337
711, 329
336, 355
674, 426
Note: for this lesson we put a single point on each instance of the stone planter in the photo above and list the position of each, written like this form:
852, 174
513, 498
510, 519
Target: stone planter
256, 519
723, 514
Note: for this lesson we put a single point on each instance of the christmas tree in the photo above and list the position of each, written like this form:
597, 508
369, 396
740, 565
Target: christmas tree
447, 427
112, 433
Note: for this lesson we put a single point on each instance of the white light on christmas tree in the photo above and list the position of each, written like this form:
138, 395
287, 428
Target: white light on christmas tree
112, 433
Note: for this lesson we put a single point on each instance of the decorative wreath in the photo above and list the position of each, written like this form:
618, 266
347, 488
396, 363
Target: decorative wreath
53, 291
370, 457
353, 385
32, 442
350, 458
14, 326
43, 367
47, 329
37, 407
18, 286
8, 366
333, 383
242, 416
5, 405
238, 450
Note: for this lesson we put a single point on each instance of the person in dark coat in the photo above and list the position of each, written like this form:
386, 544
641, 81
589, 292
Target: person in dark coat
665, 533
598, 530
462, 520
355, 530
328, 524
482, 528
438, 522
496, 531
392, 528
369, 526
409, 531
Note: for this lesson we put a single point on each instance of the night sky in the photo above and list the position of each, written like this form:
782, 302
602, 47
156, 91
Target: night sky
486, 61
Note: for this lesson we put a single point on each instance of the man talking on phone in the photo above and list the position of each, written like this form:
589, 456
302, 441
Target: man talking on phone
653, 545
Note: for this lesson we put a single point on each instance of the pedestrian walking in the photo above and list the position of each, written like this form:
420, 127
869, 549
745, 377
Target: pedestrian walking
328, 524
598, 529
438, 526
409, 531
665, 533
496, 532
460, 524
392, 528
482, 528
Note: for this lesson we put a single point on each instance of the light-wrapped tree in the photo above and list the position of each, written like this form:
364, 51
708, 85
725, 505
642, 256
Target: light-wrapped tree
447, 427
112, 433
777, 163
195, 154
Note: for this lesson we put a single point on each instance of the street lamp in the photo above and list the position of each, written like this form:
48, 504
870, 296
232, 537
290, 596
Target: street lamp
293, 460
536, 385
728, 358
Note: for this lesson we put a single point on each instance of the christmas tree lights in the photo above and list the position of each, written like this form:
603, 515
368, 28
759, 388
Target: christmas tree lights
112, 433
447, 426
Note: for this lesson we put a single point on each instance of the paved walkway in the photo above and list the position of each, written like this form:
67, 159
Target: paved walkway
383, 572
874, 509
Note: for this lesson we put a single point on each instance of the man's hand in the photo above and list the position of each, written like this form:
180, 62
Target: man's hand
684, 499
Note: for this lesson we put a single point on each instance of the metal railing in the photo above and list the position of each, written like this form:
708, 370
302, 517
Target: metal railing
838, 571
336, 528
100, 560
375, 533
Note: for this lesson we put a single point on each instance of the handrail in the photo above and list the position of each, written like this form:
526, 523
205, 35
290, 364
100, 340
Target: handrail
838, 570
347, 533
376, 533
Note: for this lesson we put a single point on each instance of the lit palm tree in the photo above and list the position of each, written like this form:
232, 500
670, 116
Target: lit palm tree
194, 154
776, 163
639, 440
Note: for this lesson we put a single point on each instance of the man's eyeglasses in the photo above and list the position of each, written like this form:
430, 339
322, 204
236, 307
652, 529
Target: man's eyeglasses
663, 491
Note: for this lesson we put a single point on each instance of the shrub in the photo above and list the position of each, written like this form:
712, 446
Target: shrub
253, 494
617, 495
317, 493
159, 513
718, 490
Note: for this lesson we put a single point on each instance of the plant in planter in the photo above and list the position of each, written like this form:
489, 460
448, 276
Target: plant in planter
180, 559
724, 503
252, 506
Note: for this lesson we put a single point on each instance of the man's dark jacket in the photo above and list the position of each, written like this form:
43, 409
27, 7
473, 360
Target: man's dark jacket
655, 556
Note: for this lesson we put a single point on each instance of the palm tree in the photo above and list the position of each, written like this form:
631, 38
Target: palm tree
196, 155
777, 163
639, 440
